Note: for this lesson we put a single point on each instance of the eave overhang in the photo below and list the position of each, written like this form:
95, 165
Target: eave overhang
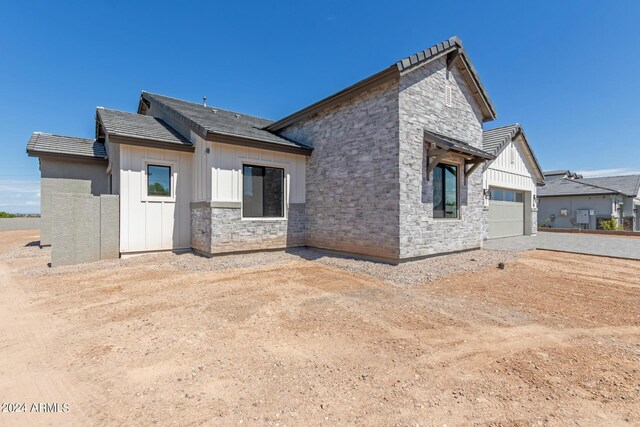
149, 143
63, 156
440, 146
225, 138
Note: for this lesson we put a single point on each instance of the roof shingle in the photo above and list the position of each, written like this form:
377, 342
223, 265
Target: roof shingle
629, 185
47, 143
494, 139
121, 123
220, 121
571, 187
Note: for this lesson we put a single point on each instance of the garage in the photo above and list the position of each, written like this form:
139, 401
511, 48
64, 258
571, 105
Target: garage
506, 213
510, 183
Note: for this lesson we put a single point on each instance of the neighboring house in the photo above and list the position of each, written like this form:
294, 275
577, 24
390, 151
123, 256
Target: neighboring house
510, 183
558, 174
387, 168
583, 203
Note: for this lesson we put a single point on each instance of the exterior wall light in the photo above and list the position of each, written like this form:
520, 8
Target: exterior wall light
487, 194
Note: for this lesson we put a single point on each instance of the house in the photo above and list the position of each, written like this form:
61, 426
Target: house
575, 202
388, 168
558, 174
510, 183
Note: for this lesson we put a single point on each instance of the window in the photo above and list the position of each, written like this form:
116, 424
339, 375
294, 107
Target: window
159, 180
507, 195
445, 191
262, 192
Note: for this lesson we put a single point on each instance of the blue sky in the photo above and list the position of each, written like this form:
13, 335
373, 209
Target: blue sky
566, 70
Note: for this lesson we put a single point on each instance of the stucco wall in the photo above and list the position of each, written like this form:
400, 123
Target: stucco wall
422, 106
67, 176
84, 228
548, 206
352, 177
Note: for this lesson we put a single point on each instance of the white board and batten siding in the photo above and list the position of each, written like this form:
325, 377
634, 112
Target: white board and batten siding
148, 223
225, 163
510, 170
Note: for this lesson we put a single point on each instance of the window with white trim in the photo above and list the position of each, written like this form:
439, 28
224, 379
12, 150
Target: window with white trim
158, 180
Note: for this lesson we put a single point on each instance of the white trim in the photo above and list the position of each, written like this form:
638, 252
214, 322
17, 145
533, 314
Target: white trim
174, 180
287, 178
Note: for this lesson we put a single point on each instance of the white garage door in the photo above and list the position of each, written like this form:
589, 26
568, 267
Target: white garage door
506, 213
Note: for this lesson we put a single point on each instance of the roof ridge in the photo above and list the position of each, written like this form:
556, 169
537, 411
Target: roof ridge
579, 181
208, 106
128, 112
614, 176
502, 127
64, 136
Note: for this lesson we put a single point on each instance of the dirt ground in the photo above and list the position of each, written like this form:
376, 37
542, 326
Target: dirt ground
553, 339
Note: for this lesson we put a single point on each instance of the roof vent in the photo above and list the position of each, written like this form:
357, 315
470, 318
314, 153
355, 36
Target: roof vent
447, 95
213, 110
237, 116
204, 101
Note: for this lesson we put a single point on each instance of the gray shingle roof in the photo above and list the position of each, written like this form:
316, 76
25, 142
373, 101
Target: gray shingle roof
47, 143
629, 185
219, 121
569, 187
494, 140
123, 124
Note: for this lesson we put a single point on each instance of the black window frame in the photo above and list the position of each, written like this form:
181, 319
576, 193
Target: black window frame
283, 190
442, 166
150, 165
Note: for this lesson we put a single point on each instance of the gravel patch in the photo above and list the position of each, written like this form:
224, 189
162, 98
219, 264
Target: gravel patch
406, 274
416, 272
29, 251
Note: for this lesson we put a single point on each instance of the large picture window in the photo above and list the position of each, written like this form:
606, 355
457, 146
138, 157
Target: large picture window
159, 180
262, 192
445, 191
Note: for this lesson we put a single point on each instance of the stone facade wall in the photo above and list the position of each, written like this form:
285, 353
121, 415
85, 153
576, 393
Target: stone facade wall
422, 106
352, 191
217, 230
201, 227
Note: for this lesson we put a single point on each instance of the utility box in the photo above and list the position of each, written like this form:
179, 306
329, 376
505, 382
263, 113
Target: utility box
582, 216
